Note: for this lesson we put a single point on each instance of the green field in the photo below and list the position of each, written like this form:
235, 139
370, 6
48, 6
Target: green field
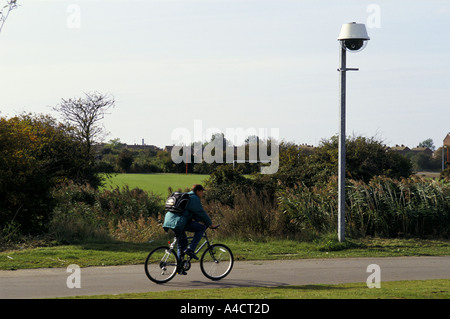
156, 183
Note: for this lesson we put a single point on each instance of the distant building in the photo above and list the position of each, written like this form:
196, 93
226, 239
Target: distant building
402, 149
143, 147
447, 140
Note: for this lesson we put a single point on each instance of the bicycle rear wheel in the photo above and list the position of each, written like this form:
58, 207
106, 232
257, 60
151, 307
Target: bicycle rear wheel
161, 265
216, 262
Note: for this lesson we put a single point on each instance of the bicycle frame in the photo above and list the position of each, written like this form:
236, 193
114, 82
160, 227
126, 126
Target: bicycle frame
206, 242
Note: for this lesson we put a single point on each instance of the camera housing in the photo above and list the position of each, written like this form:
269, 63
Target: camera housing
353, 37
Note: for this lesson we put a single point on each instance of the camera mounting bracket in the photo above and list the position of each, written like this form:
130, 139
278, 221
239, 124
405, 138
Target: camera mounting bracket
347, 69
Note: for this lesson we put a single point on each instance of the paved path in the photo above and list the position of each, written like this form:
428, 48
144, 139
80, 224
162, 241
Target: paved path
45, 283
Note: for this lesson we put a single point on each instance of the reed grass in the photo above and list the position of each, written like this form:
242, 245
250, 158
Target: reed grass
382, 207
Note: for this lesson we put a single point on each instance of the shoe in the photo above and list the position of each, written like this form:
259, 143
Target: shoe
182, 272
190, 253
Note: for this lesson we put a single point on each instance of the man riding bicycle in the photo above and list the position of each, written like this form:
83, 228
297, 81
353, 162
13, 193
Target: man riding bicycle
190, 220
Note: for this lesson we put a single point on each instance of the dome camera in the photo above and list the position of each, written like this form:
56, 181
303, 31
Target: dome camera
354, 45
353, 37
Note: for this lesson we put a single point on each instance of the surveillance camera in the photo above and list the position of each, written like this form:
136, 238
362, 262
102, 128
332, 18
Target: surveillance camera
354, 45
353, 36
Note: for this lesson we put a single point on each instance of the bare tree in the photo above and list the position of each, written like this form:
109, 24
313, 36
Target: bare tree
11, 5
85, 114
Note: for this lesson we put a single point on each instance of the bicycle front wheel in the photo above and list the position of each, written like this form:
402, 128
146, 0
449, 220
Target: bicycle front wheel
216, 262
161, 265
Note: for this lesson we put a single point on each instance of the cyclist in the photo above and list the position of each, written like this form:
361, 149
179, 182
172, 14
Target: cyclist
193, 219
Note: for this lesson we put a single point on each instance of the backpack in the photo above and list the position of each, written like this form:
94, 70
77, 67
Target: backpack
177, 202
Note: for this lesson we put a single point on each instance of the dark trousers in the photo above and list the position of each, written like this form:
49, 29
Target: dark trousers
198, 230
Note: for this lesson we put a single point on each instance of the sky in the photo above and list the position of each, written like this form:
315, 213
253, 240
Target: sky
230, 64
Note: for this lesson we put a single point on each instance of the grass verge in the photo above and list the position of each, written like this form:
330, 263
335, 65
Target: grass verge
411, 289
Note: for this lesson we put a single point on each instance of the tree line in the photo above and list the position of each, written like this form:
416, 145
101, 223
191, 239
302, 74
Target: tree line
39, 154
117, 157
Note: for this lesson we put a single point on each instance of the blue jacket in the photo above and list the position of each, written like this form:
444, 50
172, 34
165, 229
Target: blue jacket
194, 211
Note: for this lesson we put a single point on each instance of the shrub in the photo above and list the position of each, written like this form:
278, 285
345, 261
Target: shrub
9, 233
251, 216
76, 216
77, 223
366, 158
37, 153
125, 203
82, 213
224, 184
139, 230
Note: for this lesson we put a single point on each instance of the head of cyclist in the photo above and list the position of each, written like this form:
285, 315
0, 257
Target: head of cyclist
198, 190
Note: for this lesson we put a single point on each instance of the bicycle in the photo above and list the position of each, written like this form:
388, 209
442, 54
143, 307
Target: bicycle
162, 263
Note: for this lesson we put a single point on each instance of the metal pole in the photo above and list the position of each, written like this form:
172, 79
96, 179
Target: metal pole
342, 151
